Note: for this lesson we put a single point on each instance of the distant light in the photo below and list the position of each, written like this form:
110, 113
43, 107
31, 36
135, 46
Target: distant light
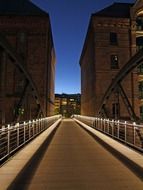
140, 13
71, 100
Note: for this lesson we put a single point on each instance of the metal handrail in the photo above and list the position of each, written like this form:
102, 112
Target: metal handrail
12, 137
126, 132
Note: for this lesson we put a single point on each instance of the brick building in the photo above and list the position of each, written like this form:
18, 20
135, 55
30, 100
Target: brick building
67, 104
27, 28
114, 35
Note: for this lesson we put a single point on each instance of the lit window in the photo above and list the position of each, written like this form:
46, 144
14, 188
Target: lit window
114, 62
64, 102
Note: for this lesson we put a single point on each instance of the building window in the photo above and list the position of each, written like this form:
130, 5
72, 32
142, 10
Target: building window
139, 43
115, 110
141, 89
113, 38
141, 112
114, 62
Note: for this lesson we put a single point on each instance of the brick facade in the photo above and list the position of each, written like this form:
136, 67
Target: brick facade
96, 69
30, 36
67, 104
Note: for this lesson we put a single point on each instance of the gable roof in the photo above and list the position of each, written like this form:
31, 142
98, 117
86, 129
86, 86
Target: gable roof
20, 7
117, 10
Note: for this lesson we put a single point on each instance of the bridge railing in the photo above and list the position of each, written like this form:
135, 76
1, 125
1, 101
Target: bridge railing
128, 133
12, 137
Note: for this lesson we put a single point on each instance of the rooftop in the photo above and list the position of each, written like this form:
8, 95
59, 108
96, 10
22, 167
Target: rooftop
63, 95
20, 7
117, 10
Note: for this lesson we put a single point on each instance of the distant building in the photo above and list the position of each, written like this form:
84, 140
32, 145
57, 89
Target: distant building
67, 104
114, 35
27, 28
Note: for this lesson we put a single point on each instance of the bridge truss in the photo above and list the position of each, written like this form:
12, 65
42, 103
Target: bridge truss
116, 85
17, 88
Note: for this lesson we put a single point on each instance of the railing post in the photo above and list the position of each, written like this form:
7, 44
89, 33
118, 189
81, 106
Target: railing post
112, 127
36, 127
96, 122
108, 123
125, 131
24, 125
100, 126
104, 125
39, 125
134, 133
46, 122
118, 129
33, 125
42, 124
8, 140
29, 124
17, 126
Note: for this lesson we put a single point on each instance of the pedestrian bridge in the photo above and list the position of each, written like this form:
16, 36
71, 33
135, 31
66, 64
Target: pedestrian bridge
71, 154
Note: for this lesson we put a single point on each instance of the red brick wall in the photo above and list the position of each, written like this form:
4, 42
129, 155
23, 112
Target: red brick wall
35, 49
102, 75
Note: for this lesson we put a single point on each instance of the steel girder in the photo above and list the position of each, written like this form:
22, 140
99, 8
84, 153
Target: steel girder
127, 103
18, 62
21, 101
135, 61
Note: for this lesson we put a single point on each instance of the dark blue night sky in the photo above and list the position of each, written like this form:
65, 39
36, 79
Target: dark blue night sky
69, 20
